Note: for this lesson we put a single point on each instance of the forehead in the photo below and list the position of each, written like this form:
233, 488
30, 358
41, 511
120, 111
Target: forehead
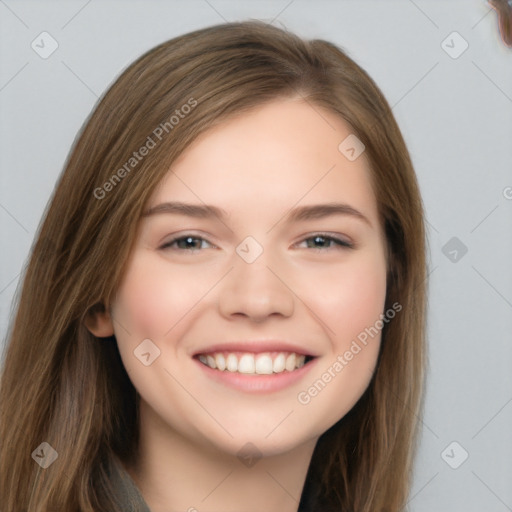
281, 154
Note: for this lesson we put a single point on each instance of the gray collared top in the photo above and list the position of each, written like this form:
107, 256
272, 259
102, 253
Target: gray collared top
127, 494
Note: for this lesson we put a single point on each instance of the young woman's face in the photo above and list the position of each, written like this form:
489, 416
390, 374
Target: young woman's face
257, 288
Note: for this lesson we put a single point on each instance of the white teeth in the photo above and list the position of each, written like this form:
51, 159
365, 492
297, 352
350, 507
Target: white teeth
220, 362
264, 365
279, 363
290, 363
249, 363
246, 364
232, 363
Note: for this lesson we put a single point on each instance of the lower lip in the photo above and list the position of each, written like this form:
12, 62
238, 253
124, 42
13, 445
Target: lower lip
254, 383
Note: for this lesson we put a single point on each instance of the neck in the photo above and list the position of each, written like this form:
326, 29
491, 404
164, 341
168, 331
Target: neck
174, 473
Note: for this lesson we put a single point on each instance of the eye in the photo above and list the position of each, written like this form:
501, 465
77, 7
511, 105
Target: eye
192, 243
185, 242
324, 239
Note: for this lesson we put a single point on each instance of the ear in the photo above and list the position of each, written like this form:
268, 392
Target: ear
98, 321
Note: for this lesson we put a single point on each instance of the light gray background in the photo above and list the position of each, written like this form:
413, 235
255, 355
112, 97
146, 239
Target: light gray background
455, 114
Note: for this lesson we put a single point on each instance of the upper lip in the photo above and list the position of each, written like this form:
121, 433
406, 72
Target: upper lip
255, 346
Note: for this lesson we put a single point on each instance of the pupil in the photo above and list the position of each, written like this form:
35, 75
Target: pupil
189, 241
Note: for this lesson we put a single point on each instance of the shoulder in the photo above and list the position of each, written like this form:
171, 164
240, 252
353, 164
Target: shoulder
126, 492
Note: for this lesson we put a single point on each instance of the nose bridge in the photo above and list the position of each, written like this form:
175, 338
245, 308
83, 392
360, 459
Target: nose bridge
255, 287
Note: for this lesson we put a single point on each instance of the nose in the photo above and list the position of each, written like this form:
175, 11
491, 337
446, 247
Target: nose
256, 290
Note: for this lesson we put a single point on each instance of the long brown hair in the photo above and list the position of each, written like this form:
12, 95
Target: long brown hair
63, 386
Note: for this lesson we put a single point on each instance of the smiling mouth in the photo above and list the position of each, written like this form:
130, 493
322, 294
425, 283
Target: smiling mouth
248, 363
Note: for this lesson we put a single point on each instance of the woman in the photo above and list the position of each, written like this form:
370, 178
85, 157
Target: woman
254, 370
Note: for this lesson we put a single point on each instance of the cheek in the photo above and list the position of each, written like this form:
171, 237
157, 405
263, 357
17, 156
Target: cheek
350, 303
151, 301
350, 298
344, 373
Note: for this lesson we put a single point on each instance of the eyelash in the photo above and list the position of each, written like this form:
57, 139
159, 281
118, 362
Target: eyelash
342, 244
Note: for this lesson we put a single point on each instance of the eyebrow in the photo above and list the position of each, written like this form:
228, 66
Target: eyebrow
301, 213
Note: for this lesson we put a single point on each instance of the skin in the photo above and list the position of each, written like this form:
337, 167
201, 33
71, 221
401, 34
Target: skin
257, 167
